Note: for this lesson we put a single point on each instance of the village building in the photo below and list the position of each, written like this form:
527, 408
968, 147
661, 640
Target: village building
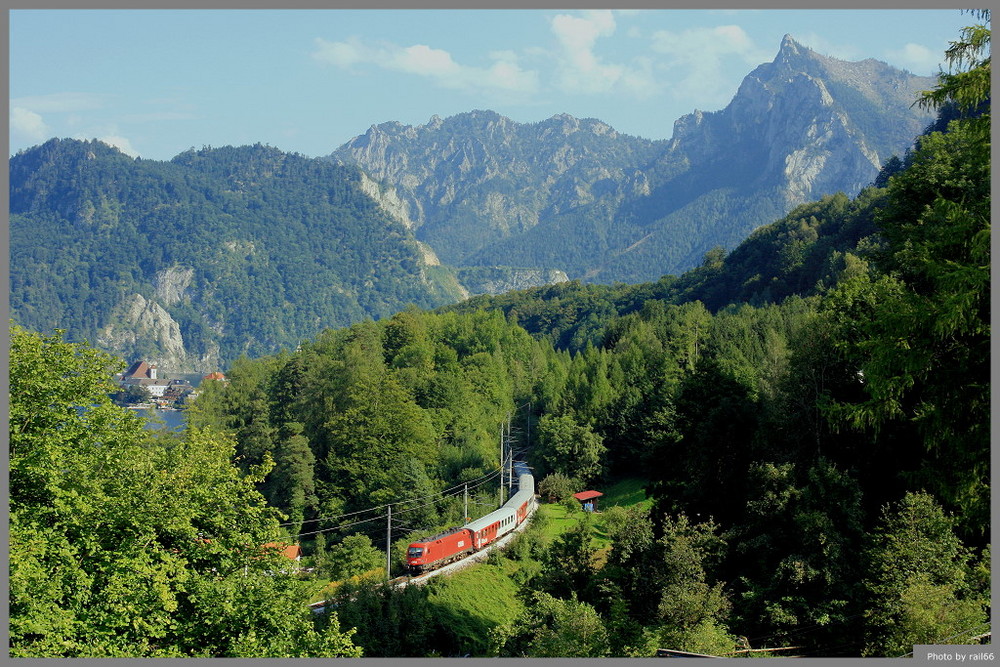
289, 551
588, 500
145, 375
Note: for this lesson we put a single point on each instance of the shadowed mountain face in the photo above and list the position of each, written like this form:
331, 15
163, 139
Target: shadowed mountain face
574, 194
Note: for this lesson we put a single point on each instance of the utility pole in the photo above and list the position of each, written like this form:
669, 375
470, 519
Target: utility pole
388, 545
466, 495
510, 454
501, 464
527, 428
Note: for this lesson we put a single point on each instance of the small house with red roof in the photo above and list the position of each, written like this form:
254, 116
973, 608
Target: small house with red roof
289, 551
589, 499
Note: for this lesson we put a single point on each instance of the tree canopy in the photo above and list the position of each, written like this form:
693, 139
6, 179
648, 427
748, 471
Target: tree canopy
126, 546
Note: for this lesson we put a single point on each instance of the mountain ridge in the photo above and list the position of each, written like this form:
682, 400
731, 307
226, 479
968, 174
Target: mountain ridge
801, 127
195, 261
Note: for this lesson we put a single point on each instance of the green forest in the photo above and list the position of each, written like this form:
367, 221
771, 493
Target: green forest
808, 417
275, 244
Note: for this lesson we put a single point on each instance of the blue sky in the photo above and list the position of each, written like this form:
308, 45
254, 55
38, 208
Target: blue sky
157, 82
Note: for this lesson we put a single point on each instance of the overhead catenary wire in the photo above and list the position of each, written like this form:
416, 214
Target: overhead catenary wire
483, 479
346, 525
505, 468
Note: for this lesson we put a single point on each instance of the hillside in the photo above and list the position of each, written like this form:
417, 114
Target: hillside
218, 253
222, 252
809, 416
576, 195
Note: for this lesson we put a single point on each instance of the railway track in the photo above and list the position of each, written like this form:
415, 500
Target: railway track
477, 557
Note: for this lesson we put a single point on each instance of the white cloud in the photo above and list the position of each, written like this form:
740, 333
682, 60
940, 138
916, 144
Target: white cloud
578, 34
697, 44
504, 75
573, 64
422, 59
705, 58
121, 143
27, 126
580, 70
917, 58
339, 54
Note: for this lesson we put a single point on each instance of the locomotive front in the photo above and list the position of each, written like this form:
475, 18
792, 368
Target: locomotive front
415, 557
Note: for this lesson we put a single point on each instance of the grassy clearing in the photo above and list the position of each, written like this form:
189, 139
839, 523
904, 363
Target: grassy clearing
626, 493
474, 601
557, 518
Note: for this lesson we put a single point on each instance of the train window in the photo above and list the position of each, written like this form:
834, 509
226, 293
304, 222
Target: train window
415, 552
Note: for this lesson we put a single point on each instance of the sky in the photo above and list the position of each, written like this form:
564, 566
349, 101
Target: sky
155, 83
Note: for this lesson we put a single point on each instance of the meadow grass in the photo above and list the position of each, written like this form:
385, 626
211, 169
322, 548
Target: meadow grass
474, 601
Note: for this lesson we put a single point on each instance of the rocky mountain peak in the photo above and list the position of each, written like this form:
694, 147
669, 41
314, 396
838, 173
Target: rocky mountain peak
790, 48
483, 190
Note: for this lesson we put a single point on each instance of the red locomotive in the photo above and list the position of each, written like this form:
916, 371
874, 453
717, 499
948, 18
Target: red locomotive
439, 550
456, 543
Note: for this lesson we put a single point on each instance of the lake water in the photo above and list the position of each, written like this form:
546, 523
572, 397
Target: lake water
158, 419
169, 419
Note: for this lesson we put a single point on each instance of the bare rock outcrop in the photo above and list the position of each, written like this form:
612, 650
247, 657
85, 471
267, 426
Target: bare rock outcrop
141, 328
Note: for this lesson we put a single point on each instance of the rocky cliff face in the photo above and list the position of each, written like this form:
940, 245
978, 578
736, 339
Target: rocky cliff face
499, 279
808, 124
172, 284
480, 177
140, 329
576, 195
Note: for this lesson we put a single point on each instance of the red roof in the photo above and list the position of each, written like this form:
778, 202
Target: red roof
587, 495
139, 369
290, 551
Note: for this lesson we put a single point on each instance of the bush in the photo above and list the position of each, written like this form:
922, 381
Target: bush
558, 487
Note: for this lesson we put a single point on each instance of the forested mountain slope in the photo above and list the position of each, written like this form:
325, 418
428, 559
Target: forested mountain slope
229, 251
217, 253
803, 254
824, 421
576, 195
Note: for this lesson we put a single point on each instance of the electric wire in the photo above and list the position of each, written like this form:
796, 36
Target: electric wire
481, 480
438, 497
346, 525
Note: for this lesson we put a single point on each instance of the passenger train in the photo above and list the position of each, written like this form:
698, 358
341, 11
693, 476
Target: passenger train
457, 543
